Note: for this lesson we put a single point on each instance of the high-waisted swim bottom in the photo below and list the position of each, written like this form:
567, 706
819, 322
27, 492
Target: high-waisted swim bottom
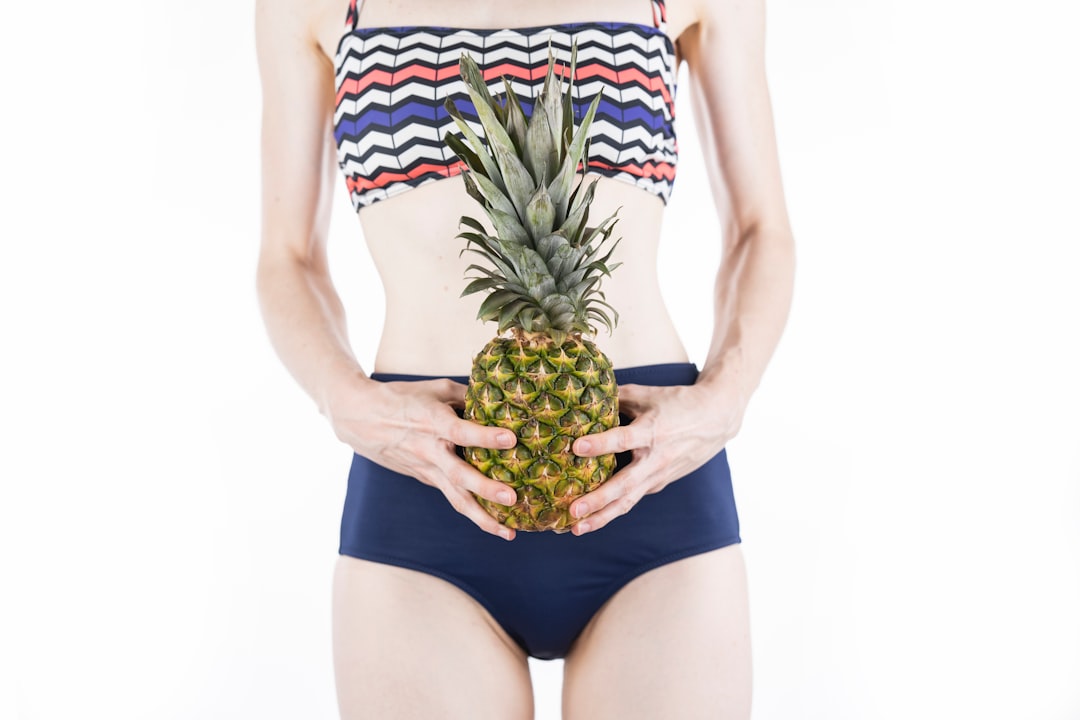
542, 587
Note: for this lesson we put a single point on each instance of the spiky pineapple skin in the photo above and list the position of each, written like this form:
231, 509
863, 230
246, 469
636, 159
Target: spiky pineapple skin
549, 394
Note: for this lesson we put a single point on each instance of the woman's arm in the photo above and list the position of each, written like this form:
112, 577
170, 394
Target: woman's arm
725, 52
409, 427
302, 311
675, 430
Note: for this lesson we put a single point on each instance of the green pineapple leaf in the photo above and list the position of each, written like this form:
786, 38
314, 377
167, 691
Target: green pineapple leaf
539, 214
495, 197
540, 151
516, 125
542, 261
487, 165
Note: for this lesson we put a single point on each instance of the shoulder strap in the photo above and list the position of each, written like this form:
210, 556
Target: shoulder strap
353, 14
659, 15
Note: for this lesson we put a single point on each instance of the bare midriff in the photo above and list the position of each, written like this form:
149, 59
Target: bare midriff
430, 329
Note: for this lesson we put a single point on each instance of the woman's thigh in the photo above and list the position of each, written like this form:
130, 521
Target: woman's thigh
410, 645
673, 643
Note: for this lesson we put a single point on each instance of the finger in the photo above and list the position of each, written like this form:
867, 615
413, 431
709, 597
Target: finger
618, 439
607, 503
466, 504
467, 433
463, 475
616, 487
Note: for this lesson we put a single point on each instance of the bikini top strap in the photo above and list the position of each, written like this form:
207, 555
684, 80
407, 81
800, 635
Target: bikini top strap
659, 15
354, 14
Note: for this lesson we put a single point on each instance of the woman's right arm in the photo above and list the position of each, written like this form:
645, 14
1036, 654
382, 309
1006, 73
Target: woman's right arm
302, 311
408, 427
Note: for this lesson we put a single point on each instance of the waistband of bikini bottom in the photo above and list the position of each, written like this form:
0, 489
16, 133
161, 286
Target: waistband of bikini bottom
660, 374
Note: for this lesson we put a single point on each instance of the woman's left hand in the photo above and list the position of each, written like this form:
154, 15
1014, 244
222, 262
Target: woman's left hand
675, 430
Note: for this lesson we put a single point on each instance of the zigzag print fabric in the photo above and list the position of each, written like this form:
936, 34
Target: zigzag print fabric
391, 83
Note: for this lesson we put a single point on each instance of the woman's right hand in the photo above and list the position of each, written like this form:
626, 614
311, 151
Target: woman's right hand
411, 427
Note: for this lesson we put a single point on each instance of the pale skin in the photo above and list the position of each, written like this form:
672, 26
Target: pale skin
409, 645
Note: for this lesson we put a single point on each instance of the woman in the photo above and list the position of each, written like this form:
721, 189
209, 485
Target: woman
434, 612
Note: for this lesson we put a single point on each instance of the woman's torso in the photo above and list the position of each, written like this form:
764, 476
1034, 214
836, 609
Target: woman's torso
429, 329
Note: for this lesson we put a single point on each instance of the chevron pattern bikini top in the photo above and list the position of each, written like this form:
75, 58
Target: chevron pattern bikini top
391, 83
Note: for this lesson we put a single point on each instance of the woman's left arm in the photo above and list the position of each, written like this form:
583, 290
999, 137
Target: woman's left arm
677, 429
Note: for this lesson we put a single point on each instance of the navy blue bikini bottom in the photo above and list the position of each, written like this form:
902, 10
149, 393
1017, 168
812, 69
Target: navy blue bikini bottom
542, 587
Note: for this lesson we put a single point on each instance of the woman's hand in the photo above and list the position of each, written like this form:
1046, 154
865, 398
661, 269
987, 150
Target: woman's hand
675, 430
412, 428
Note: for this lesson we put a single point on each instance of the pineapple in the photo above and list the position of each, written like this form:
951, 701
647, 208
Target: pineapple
541, 376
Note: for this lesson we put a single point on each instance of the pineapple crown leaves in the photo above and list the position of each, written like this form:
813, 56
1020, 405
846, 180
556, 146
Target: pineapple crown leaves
545, 258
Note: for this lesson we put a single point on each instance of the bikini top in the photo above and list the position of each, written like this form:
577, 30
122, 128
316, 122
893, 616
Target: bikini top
391, 83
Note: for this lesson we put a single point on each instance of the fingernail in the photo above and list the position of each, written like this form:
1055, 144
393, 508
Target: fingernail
504, 534
507, 440
581, 510
583, 446
507, 498
583, 527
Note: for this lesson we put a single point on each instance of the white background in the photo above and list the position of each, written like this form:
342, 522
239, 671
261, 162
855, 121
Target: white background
908, 476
